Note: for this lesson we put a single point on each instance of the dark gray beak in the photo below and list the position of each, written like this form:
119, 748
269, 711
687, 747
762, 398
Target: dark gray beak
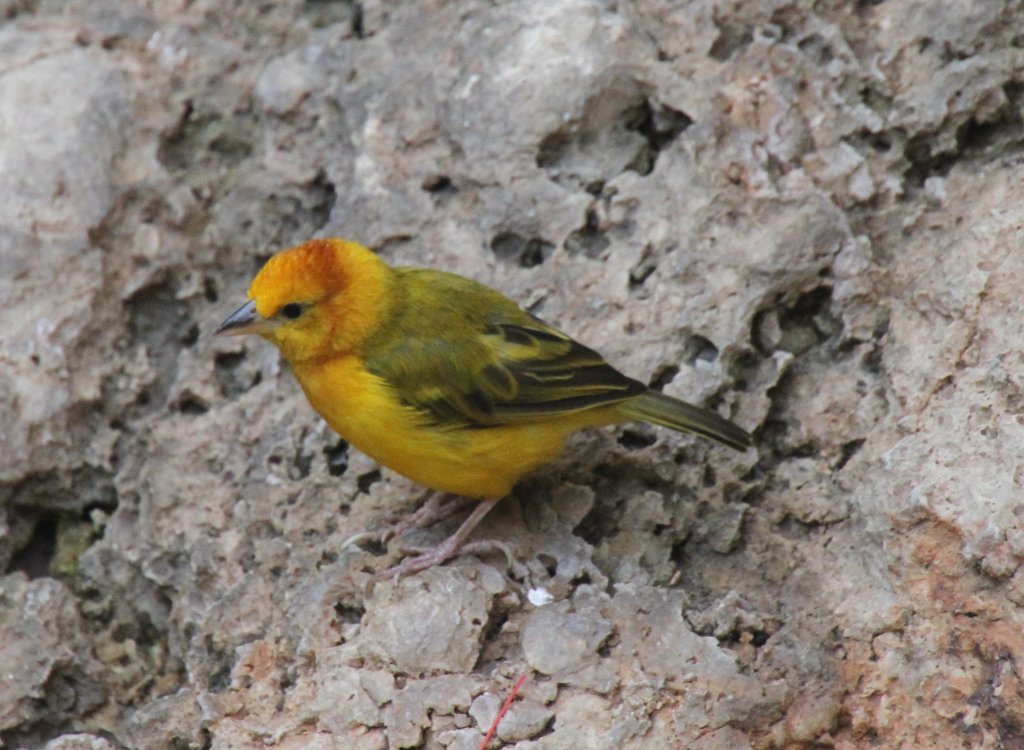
243, 320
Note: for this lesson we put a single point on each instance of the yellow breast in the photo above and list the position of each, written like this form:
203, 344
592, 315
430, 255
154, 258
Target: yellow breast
367, 413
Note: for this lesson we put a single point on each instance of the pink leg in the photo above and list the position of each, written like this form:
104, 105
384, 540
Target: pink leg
439, 506
450, 547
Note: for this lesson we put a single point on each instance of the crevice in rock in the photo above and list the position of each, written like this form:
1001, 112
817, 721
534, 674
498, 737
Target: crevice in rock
642, 271
325, 13
634, 440
697, 348
207, 140
589, 240
367, 480
619, 129
160, 322
796, 327
659, 126
662, 377
337, 458
1001, 133
35, 557
525, 252
84, 487
732, 39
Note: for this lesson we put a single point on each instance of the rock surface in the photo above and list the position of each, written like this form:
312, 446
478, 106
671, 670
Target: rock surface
808, 215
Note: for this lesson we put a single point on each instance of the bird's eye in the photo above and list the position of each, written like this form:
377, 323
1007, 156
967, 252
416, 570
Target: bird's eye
291, 311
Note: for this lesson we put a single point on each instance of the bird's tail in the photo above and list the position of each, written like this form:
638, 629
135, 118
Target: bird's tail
657, 408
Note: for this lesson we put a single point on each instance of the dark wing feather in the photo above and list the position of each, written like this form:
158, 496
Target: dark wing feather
553, 373
497, 373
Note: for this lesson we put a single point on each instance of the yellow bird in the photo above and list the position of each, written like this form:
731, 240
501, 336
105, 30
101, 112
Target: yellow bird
440, 378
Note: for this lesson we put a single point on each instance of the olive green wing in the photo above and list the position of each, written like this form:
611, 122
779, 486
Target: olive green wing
482, 373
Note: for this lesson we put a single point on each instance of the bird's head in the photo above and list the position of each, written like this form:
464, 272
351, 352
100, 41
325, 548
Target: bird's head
317, 300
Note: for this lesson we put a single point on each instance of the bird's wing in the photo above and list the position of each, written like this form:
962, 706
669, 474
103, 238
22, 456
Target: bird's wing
498, 372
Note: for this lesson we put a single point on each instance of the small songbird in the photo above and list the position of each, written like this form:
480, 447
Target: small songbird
441, 378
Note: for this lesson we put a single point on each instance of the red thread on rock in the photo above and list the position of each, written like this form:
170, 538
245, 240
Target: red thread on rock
504, 710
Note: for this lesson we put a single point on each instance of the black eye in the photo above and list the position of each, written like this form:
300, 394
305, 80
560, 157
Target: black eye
291, 311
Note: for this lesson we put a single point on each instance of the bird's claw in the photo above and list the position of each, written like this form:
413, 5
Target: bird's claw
427, 557
438, 507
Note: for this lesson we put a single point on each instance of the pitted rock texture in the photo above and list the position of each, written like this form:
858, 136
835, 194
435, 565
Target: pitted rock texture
805, 214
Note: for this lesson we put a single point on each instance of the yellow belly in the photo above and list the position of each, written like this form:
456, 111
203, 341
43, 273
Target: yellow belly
475, 462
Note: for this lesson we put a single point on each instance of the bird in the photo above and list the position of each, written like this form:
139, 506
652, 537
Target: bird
440, 378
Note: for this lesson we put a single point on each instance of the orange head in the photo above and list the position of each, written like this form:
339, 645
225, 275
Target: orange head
320, 299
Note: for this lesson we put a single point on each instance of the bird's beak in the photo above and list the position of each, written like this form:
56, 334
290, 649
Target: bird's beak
244, 320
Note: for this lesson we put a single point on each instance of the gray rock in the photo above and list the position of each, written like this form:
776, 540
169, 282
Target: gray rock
347, 696
557, 640
432, 622
50, 674
806, 218
524, 719
79, 742
415, 704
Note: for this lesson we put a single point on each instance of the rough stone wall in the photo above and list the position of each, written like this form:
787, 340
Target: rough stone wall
808, 214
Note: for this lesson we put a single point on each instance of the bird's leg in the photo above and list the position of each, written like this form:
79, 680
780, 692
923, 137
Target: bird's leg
439, 506
451, 546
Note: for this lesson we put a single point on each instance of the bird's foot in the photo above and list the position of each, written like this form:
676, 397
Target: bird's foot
439, 506
454, 545
428, 557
